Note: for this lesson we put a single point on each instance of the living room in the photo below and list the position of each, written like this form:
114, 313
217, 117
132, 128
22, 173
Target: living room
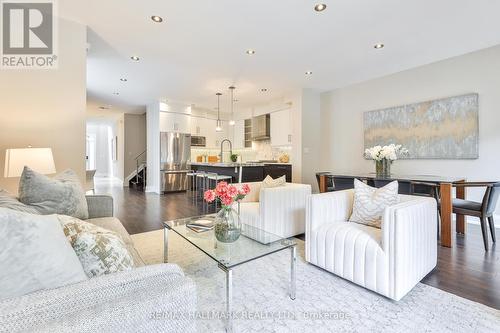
340, 171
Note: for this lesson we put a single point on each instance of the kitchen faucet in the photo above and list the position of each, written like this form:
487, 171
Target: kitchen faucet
222, 151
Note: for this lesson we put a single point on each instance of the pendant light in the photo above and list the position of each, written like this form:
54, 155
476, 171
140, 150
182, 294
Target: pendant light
218, 127
232, 122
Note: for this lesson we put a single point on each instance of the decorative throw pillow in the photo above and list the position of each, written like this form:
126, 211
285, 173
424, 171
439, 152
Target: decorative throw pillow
9, 201
370, 202
62, 194
100, 251
269, 182
34, 254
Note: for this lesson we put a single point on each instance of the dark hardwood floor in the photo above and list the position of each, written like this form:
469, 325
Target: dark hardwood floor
465, 270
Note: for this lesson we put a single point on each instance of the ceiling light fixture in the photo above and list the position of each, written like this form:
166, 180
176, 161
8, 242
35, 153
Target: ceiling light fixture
116, 93
309, 73
379, 46
218, 127
157, 19
232, 122
250, 52
263, 90
135, 58
123, 79
320, 7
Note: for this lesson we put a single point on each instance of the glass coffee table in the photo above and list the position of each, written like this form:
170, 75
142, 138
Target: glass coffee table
253, 244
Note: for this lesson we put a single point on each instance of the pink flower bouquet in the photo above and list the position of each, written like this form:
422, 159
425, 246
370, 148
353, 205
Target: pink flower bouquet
227, 194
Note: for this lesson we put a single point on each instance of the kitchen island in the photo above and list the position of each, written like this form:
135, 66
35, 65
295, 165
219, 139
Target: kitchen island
250, 172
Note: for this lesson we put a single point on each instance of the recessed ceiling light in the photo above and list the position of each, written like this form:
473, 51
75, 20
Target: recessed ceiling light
105, 107
135, 58
157, 19
116, 93
379, 46
309, 73
250, 52
123, 79
320, 7
263, 90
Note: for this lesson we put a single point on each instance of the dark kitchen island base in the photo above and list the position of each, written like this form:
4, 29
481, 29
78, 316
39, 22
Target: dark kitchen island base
251, 172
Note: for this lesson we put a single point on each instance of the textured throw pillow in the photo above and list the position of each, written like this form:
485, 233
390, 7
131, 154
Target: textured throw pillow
34, 254
100, 251
62, 194
269, 182
370, 202
9, 201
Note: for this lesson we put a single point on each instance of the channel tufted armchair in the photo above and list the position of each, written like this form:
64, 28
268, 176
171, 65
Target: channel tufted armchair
390, 260
279, 210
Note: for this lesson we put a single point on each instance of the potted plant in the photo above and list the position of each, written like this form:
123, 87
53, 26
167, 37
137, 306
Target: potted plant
227, 221
384, 156
234, 158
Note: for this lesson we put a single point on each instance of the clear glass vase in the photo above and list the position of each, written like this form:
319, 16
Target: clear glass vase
383, 168
227, 225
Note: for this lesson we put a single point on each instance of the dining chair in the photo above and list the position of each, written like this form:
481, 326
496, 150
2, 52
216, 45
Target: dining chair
329, 181
483, 210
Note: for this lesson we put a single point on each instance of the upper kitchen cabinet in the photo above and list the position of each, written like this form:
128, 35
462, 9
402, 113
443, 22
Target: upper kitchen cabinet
239, 134
175, 122
281, 128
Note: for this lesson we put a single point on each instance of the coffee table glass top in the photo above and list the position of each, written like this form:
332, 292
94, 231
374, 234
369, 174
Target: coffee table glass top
252, 244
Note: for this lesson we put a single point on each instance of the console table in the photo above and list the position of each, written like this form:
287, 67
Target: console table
445, 184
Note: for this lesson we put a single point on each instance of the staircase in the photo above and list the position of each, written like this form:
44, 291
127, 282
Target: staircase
138, 181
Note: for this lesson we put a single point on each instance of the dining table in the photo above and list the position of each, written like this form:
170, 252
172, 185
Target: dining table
444, 183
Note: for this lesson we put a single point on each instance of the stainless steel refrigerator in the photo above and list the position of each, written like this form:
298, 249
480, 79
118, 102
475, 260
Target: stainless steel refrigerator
175, 157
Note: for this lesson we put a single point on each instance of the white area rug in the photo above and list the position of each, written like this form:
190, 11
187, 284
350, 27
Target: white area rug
325, 303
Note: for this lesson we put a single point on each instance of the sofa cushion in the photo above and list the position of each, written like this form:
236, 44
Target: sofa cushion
62, 194
269, 182
35, 254
370, 202
100, 251
9, 201
113, 224
250, 213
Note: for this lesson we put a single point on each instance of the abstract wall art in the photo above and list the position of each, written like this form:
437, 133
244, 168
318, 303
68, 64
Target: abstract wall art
446, 128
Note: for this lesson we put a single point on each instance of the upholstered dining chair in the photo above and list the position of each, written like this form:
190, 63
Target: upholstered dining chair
483, 210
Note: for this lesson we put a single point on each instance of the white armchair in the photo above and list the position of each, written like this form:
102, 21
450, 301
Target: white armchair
278, 210
390, 260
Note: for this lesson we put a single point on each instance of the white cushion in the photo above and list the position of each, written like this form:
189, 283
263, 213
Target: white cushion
370, 202
35, 254
269, 182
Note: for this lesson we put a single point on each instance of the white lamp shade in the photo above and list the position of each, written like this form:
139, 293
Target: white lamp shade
38, 159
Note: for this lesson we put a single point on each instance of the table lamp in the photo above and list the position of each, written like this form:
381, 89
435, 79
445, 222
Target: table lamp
38, 159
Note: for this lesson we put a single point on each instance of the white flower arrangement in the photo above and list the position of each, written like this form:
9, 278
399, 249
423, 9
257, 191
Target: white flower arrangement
391, 152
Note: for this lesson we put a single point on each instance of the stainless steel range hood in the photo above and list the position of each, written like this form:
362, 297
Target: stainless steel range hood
261, 127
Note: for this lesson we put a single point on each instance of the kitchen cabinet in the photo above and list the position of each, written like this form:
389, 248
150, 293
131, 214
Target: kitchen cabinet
239, 134
175, 122
281, 128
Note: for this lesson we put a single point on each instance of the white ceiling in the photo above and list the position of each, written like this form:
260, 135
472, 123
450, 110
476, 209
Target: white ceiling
199, 49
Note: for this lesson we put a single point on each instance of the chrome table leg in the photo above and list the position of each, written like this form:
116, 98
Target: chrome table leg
293, 283
165, 244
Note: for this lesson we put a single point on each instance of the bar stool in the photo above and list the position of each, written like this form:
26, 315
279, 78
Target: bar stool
213, 179
192, 174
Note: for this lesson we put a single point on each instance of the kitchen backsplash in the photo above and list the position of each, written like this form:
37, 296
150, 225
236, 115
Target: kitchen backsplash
261, 150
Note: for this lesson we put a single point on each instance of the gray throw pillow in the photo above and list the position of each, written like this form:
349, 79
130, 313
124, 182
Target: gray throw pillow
35, 254
7, 200
62, 194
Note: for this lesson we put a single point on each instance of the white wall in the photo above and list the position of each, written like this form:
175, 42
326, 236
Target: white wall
46, 108
311, 136
342, 111
153, 147
135, 140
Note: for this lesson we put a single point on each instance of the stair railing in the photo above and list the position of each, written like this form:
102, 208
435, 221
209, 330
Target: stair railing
139, 160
